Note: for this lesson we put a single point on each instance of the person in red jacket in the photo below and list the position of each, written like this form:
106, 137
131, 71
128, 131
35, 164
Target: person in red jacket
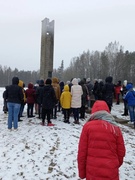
117, 89
31, 96
101, 146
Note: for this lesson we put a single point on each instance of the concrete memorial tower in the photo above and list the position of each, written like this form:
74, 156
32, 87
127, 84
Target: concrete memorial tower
47, 47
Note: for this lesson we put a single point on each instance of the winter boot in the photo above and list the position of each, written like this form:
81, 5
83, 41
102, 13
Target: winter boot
50, 124
76, 122
67, 121
43, 122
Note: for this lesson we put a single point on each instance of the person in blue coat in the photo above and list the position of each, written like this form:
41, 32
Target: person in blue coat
130, 98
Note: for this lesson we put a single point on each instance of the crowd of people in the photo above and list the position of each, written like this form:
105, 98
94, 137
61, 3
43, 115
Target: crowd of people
101, 146
47, 97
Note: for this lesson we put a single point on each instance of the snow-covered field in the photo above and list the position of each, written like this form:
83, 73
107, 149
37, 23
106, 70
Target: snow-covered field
36, 152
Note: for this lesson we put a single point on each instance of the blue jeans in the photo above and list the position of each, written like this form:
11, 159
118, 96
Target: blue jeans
13, 112
132, 113
21, 109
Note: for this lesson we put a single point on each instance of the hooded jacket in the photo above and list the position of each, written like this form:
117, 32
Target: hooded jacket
85, 90
39, 92
101, 146
21, 84
61, 86
108, 91
65, 98
117, 88
56, 86
130, 95
49, 98
76, 92
30, 94
14, 93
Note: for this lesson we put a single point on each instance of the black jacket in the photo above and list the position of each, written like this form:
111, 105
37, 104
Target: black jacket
14, 93
39, 94
108, 91
49, 98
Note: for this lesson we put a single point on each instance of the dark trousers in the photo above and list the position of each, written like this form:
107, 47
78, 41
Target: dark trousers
21, 109
39, 110
125, 108
44, 113
117, 98
54, 112
82, 112
59, 107
66, 113
5, 109
76, 113
30, 109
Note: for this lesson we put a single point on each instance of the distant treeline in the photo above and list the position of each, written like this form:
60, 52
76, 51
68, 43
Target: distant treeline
6, 75
113, 61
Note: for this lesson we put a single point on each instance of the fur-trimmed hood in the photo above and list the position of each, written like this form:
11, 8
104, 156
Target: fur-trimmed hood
55, 80
75, 81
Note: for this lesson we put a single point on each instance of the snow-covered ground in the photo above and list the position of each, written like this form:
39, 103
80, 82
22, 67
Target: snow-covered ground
36, 152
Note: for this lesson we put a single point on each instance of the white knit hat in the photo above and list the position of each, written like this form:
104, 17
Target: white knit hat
125, 82
88, 80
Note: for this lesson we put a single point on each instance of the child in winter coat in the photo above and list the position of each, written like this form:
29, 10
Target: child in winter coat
65, 100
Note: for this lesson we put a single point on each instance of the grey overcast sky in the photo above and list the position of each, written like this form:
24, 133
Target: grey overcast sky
79, 25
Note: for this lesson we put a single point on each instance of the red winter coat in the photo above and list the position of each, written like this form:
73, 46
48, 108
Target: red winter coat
30, 94
117, 89
101, 147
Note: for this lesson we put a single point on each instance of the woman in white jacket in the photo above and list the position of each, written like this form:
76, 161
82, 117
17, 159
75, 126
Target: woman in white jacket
76, 92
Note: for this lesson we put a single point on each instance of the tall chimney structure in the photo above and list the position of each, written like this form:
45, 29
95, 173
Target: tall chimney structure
47, 48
